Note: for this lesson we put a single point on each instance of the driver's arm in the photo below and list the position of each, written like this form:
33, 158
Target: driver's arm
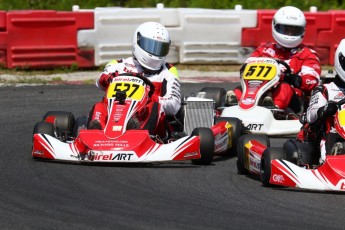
310, 72
317, 100
171, 101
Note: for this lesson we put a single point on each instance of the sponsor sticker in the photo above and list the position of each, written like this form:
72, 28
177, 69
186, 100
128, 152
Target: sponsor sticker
278, 178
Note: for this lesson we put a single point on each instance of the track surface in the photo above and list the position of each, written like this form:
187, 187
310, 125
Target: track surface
44, 195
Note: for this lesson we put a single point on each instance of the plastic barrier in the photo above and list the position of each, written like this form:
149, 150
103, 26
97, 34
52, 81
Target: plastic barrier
262, 33
3, 45
39, 39
198, 35
88, 38
213, 36
329, 40
112, 35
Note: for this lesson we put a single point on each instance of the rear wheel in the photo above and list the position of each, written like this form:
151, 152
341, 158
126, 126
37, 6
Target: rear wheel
80, 123
218, 94
206, 145
236, 131
265, 166
44, 128
64, 120
241, 155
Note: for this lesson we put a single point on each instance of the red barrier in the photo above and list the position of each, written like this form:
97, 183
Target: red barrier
316, 22
3, 45
253, 37
45, 39
330, 39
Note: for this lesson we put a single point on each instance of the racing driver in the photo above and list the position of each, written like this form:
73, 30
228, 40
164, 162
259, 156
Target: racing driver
323, 106
150, 47
288, 28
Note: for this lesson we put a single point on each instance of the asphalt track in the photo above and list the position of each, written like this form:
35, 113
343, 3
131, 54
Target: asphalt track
43, 195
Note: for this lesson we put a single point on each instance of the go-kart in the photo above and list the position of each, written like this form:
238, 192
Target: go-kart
296, 163
61, 137
258, 76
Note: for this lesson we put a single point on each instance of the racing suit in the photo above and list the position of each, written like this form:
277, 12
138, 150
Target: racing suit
166, 99
320, 114
305, 65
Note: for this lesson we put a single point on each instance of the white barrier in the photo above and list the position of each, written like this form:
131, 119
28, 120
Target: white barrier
198, 35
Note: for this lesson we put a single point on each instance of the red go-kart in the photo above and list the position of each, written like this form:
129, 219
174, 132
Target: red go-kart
62, 137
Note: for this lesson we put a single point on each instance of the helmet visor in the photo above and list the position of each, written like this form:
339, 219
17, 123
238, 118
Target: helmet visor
341, 59
154, 47
289, 29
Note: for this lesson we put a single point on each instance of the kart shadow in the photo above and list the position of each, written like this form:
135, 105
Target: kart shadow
224, 157
291, 189
299, 190
177, 164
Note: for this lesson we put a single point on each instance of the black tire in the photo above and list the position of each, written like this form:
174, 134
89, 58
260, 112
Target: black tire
44, 128
64, 120
80, 123
206, 145
265, 166
301, 153
263, 139
237, 128
218, 94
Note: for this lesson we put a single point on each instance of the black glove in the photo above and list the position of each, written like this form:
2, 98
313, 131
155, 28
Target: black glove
328, 110
303, 118
293, 79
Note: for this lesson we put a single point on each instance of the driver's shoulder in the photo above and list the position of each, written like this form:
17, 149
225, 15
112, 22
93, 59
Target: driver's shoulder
171, 70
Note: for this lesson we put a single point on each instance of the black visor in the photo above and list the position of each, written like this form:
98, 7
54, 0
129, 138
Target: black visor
154, 47
289, 29
341, 59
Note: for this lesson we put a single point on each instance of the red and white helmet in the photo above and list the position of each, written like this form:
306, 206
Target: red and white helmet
339, 60
151, 42
288, 26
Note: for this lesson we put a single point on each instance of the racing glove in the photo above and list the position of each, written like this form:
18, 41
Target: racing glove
105, 79
328, 110
293, 79
303, 118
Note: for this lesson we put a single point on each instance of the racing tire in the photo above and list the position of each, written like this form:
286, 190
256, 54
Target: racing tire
237, 128
44, 128
263, 139
80, 123
64, 120
206, 145
218, 94
269, 154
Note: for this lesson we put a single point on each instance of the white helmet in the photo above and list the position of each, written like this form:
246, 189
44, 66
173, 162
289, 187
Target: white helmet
288, 26
339, 60
151, 43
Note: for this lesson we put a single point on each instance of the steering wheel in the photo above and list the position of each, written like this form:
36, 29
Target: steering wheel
288, 69
341, 102
145, 79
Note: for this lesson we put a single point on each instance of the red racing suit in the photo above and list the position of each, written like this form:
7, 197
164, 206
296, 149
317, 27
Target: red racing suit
302, 61
166, 99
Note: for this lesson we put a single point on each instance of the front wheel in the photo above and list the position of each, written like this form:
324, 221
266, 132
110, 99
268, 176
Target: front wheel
236, 131
241, 154
265, 166
206, 145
